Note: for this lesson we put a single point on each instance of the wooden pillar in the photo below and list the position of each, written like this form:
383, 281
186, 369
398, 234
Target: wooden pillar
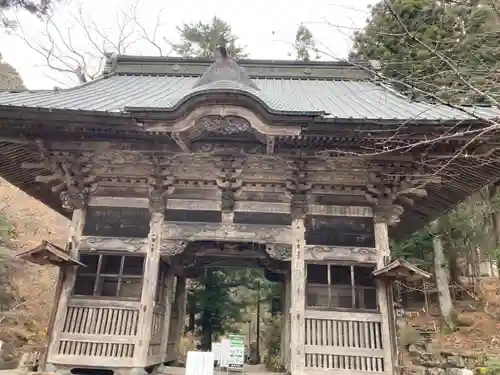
148, 294
297, 297
383, 256
180, 307
67, 281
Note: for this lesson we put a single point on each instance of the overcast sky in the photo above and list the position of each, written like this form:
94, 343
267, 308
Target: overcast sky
266, 27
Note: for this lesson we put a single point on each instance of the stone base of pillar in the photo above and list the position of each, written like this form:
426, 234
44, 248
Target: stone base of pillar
161, 369
133, 371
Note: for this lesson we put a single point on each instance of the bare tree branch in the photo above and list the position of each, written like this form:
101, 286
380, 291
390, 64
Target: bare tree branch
78, 47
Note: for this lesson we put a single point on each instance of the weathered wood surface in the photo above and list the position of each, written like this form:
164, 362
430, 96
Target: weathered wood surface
130, 167
226, 232
318, 253
384, 252
349, 341
68, 279
144, 333
297, 303
98, 243
117, 222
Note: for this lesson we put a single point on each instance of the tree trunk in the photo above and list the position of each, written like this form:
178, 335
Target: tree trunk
442, 277
495, 220
191, 307
452, 262
207, 313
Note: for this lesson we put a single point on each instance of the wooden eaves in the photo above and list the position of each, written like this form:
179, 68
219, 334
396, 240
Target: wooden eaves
401, 269
49, 253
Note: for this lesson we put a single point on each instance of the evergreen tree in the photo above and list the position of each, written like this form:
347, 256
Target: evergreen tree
39, 8
217, 305
437, 46
202, 39
9, 77
221, 298
305, 44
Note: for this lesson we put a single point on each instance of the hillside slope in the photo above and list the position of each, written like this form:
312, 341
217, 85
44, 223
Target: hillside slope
29, 293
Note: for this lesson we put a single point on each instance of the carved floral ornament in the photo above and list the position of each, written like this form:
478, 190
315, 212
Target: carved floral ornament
390, 214
113, 243
279, 251
223, 232
171, 248
225, 125
318, 252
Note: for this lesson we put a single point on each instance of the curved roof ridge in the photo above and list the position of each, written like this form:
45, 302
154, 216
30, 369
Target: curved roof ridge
270, 102
225, 69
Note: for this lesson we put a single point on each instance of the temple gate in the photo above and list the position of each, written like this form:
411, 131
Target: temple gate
168, 165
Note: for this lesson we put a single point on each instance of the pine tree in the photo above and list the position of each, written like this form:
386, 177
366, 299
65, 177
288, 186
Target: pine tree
305, 44
39, 8
202, 39
416, 41
9, 77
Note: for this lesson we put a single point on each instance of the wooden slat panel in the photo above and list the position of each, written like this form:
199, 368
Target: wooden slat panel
339, 350
331, 371
92, 329
346, 341
95, 349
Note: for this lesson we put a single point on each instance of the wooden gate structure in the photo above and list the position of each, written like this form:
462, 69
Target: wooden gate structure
167, 165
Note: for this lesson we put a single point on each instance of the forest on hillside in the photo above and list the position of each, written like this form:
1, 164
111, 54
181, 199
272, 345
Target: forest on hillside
440, 51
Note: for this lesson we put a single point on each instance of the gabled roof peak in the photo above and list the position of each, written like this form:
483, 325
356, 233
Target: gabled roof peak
225, 68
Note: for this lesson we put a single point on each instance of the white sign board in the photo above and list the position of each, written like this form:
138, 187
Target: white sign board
199, 363
236, 351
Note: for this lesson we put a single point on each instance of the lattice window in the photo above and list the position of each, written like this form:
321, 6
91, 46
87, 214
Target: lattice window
334, 287
110, 276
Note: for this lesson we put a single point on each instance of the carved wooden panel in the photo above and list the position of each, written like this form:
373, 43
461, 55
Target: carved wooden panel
227, 232
326, 253
117, 222
329, 210
340, 231
97, 243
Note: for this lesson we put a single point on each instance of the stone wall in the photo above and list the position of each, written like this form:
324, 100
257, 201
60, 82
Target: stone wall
424, 360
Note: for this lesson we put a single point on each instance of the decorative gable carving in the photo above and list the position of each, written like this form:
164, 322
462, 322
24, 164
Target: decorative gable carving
224, 125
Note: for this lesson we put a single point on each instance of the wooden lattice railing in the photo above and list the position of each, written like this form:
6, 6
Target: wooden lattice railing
344, 341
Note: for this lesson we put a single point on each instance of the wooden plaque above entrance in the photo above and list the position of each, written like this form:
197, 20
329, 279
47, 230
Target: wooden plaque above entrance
117, 222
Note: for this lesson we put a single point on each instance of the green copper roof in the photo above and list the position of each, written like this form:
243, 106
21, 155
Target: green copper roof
332, 90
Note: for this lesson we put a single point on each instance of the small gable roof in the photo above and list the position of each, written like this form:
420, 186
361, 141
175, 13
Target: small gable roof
401, 269
49, 253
